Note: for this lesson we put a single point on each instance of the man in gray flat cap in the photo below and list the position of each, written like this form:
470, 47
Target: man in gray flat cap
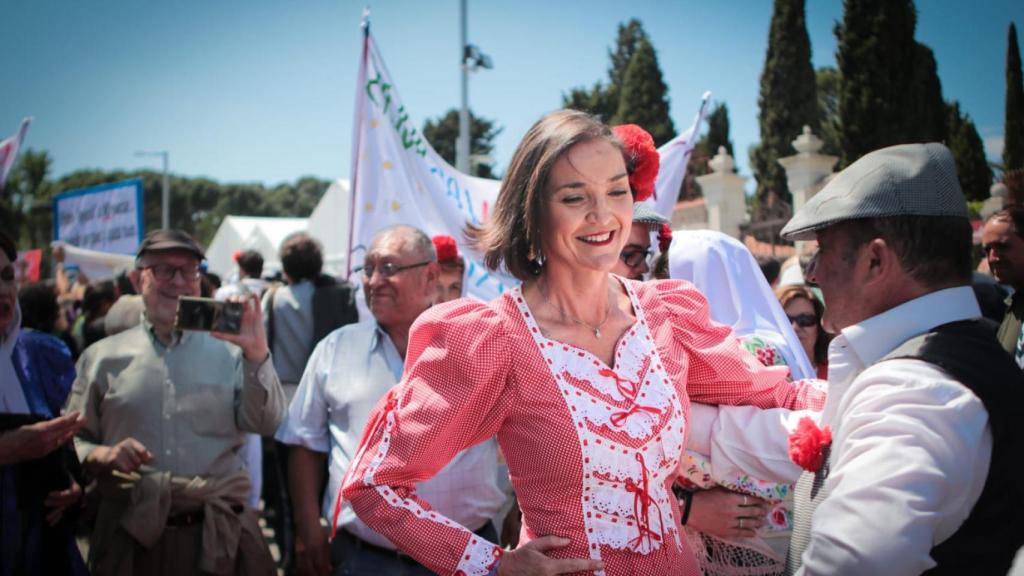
634, 260
924, 407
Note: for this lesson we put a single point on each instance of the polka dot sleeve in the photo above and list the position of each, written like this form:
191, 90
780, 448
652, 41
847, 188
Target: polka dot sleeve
711, 361
454, 394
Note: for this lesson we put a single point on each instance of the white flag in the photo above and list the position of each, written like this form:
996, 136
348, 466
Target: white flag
397, 178
9, 150
675, 154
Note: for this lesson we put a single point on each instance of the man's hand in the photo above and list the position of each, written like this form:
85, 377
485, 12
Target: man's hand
126, 456
312, 552
58, 501
39, 439
726, 514
252, 339
530, 560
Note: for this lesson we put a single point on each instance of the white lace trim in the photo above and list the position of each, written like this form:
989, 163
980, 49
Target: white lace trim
478, 559
610, 509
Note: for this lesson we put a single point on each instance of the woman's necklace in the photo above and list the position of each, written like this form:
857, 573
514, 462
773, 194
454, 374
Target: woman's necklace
595, 329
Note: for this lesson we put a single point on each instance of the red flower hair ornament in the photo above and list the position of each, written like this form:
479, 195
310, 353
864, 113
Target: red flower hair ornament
642, 159
807, 444
664, 238
446, 247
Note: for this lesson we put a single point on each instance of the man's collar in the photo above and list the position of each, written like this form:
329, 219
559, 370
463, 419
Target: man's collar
177, 336
875, 337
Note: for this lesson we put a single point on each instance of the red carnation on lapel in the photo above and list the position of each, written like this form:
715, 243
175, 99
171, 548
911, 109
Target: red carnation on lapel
446, 248
807, 444
642, 159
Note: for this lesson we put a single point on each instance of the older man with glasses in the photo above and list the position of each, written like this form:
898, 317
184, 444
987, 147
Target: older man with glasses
348, 372
165, 412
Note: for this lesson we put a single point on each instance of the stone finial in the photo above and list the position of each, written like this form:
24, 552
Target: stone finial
807, 142
722, 162
999, 190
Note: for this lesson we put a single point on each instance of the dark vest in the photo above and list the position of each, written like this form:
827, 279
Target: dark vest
994, 530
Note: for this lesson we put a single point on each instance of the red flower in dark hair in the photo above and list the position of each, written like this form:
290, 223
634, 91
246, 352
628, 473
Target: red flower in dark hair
664, 238
807, 444
446, 248
236, 255
642, 159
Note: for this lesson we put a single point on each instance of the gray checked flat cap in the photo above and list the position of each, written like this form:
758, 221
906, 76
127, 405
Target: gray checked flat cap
644, 214
904, 180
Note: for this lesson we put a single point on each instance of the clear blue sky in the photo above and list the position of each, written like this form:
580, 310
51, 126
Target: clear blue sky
263, 90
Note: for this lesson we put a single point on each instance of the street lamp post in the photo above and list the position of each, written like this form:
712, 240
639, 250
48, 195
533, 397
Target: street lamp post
472, 59
165, 198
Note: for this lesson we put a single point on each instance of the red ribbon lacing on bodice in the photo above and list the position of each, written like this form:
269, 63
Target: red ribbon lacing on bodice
378, 420
629, 390
642, 503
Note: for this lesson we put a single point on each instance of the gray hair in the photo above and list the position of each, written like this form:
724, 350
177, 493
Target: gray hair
417, 240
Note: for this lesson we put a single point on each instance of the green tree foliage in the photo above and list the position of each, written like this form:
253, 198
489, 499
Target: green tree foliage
925, 117
635, 91
718, 130
828, 81
29, 193
1013, 128
198, 205
787, 102
444, 131
969, 152
603, 98
705, 149
643, 98
876, 55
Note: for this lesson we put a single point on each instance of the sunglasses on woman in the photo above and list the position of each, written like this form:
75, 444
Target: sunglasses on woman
803, 320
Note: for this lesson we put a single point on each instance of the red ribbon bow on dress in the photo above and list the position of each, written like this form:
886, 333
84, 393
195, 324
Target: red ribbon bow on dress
629, 390
642, 503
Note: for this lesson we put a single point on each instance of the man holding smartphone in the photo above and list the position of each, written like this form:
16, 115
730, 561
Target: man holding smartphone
165, 413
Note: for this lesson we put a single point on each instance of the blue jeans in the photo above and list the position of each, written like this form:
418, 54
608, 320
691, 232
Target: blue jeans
351, 556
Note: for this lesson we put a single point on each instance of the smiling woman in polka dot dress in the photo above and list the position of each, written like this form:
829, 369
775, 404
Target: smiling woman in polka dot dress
586, 378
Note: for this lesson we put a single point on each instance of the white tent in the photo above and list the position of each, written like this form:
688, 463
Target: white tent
250, 233
329, 223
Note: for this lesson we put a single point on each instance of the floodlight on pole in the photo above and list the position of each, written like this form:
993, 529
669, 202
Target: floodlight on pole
472, 60
165, 198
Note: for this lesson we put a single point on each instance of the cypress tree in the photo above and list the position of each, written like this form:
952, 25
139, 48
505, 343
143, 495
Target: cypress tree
828, 109
969, 152
643, 97
925, 116
718, 130
876, 57
787, 102
1013, 129
705, 149
603, 98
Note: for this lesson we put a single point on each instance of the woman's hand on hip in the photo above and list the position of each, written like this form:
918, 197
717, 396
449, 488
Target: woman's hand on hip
530, 560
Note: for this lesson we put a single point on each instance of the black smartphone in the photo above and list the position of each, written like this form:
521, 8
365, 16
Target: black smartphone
208, 315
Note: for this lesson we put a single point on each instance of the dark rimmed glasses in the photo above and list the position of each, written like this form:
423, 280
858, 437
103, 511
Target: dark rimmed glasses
166, 272
634, 258
387, 269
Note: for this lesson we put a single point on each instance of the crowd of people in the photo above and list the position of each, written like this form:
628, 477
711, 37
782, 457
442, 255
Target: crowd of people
644, 402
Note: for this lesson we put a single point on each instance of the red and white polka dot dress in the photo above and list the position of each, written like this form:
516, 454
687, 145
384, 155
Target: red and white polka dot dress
592, 449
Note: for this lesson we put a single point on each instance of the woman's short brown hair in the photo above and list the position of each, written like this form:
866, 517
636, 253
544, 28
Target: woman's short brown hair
512, 235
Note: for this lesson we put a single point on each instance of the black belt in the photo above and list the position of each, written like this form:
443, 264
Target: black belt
195, 517
363, 544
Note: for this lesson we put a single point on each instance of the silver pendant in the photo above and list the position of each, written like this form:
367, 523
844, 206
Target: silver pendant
597, 333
